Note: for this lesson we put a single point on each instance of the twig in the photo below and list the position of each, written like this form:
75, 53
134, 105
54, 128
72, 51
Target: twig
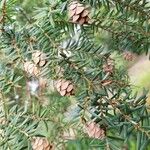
3, 17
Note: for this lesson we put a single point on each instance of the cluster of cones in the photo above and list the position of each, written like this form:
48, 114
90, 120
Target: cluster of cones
64, 87
38, 60
78, 13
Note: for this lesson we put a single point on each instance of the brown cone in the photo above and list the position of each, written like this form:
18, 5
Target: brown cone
94, 131
78, 13
39, 143
31, 68
39, 58
64, 87
109, 66
128, 56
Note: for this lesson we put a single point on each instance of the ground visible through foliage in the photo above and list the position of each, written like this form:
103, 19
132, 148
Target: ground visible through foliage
140, 74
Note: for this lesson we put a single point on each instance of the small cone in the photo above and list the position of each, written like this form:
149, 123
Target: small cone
64, 87
31, 68
128, 56
94, 131
78, 13
39, 58
39, 143
109, 66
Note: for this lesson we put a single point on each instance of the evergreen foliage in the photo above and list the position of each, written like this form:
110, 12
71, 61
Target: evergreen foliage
82, 55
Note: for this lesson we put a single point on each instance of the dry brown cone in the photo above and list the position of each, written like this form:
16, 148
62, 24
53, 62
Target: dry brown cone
109, 66
31, 68
128, 56
78, 13
94, 131
39, 143
39, 58
64, 87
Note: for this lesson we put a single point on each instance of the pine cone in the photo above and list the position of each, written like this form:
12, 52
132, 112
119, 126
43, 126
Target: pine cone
64, 87
39, 58
31, 68
128, 56
94, 131
78, 13
109, 66
40, 143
